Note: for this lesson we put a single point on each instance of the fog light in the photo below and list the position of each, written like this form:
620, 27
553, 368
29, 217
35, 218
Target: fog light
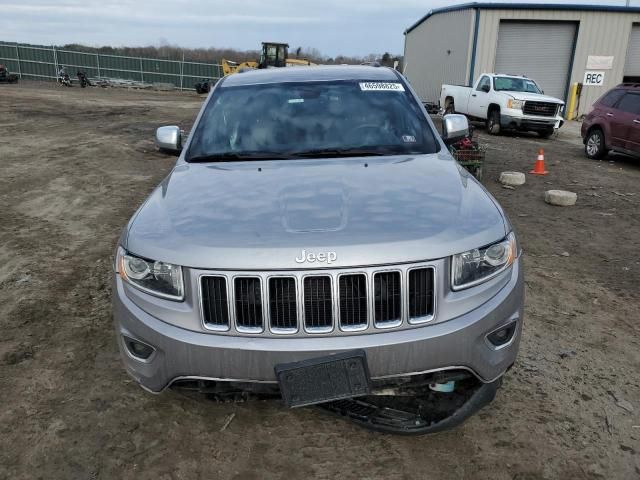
503, 335
138, 349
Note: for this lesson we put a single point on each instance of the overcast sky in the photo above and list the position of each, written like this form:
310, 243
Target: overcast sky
350, 27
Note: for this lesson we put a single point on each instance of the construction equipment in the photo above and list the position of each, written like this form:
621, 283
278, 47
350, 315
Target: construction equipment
274, 55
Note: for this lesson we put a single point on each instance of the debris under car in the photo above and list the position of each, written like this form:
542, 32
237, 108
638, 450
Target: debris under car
415, 405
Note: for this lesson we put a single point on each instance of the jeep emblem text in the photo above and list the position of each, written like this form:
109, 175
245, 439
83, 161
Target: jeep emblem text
328, 257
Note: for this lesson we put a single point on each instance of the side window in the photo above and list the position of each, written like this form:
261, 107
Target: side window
610, 99
630, 103
483, 81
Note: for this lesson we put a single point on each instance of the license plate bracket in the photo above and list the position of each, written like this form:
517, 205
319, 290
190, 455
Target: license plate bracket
324, 379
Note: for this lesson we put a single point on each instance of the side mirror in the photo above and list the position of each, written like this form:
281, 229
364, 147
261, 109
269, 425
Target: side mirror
485, 88
454, 128
169, 139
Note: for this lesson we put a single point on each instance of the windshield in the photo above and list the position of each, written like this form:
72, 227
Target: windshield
323, 119
515, 84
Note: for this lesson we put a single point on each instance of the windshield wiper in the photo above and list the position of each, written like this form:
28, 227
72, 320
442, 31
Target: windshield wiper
344, 152
320, 153
232, 156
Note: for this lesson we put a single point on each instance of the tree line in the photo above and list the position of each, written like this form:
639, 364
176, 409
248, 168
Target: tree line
214, 55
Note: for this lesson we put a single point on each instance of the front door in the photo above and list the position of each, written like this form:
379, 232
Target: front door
479, 99
628, 123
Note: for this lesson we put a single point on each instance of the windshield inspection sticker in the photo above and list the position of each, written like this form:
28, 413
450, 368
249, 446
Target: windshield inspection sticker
408, 139
381, 87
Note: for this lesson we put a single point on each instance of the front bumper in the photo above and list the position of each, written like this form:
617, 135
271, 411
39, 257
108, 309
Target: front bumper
459, 343
530, 122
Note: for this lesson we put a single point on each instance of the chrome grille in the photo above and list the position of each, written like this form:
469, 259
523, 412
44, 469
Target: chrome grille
420, 294
388, 298
544, 109
353, 302
215, 305
283, 310
248, 304
318, 304
315, 302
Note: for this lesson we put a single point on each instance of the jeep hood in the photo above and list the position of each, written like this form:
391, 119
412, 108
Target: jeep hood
261, 214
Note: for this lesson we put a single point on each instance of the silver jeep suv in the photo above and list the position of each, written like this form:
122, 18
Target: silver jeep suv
316, 240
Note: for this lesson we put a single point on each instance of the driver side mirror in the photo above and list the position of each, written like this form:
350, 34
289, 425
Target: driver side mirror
485, 88
454, 128
169, 139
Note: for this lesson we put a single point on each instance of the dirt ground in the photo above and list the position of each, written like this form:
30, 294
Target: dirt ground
76, 163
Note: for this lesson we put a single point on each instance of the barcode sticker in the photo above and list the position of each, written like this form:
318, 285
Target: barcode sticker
381, 87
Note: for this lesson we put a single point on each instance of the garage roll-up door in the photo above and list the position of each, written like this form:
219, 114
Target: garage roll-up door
539, 50
632, 63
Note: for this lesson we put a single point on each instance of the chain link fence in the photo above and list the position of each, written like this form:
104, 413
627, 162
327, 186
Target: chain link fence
43, 63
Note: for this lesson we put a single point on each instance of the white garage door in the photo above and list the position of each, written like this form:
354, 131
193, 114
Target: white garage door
539, 50
632, 64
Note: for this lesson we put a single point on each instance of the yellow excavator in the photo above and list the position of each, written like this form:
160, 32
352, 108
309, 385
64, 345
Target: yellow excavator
273, 55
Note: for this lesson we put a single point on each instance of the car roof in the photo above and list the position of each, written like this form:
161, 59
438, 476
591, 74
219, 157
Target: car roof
628, 86
318, 73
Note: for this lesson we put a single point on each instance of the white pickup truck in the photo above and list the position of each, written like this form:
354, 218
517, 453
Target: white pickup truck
505, 102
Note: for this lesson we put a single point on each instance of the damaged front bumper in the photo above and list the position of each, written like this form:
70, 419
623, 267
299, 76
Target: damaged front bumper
401, 364
404, 406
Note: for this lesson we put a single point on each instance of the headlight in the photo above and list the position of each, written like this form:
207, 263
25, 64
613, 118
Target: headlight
513, 103
156, 278
480, 264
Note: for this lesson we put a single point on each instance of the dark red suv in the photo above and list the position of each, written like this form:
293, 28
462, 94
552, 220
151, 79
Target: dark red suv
614, 122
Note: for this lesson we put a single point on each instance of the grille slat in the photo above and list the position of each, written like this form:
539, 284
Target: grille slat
353, 301
248, 302
283, 312
215, 306
420, 293
318, 303
388, 297
544, 109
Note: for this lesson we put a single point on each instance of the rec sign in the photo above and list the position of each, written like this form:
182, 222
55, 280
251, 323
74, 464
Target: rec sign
593, 78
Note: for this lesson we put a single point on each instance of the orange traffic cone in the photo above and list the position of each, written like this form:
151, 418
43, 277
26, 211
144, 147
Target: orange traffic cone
538, 169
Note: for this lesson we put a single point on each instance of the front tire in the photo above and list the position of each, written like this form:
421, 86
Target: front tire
594, 146
493, 123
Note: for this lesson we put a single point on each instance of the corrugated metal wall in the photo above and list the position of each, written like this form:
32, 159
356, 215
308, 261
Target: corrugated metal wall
36, 62
599, 33
632, 64
438, 51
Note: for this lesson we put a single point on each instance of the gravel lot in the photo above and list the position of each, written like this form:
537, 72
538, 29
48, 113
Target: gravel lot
76, 163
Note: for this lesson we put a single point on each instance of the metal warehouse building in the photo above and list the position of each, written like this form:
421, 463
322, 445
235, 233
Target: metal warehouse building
556, 45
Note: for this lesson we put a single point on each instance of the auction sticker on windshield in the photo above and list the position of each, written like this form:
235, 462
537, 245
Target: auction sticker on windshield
381, 87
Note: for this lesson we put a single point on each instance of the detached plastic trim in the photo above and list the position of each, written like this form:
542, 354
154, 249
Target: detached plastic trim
383, 419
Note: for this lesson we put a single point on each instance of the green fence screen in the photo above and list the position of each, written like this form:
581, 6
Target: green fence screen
42, 62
